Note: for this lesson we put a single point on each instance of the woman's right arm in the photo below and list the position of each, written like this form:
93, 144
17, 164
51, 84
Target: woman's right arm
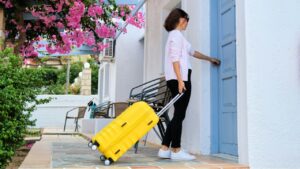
181, 85
175, 48
199, 55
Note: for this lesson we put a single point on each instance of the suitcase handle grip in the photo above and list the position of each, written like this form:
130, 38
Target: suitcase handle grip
164, 109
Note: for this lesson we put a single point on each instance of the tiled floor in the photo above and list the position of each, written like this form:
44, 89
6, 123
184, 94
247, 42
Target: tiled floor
71, 151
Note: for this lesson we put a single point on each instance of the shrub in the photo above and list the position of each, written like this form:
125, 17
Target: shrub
18, 90
55, 79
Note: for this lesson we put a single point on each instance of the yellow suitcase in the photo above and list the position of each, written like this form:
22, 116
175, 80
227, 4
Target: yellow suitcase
123, 132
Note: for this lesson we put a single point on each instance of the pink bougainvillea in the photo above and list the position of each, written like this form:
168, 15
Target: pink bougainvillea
95, 11
7, 3
66, 24
75, 14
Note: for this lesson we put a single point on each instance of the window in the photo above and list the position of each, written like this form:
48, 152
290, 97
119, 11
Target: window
109, 51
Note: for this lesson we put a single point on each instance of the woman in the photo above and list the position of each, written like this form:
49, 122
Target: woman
178, 75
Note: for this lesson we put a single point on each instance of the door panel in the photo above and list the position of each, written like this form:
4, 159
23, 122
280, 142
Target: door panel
227, 82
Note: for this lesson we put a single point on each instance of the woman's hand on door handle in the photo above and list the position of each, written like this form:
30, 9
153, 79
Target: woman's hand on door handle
215, 61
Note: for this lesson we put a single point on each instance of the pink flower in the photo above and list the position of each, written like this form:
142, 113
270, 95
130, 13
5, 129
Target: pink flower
49, 20
40, 46
49, 8
75, 14
29, 145
95, 11
78, 38
60, 5
137, 20
50, 49
60, 25
122, 13
90, 38
75, 34
7, 3
103, 31
38, 38
13, 21
28, 26
100, 46
28, 50
45, 17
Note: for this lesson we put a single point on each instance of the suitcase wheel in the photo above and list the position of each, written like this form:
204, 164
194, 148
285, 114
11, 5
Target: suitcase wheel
95, 145
108, 162
90, 144
102, 158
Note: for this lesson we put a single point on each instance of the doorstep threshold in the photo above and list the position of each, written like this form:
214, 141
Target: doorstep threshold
227, 157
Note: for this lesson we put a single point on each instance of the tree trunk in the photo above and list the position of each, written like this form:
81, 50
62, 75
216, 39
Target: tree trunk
2, 28
22, 34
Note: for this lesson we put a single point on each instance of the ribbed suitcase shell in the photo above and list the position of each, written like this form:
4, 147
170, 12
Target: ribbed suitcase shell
124, 131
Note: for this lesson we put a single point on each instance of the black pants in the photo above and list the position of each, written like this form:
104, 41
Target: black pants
174, 129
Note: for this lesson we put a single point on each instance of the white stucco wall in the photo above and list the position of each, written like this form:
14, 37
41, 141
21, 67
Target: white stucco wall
129, 62
242, 121
271, 54
106, 86
268, 59
155, 36
196, 130
197, 124
52, 114
112, 82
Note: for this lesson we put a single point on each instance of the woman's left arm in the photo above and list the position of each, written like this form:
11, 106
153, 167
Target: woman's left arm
199, 55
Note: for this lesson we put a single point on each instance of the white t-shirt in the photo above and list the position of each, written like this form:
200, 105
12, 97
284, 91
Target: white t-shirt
177, 49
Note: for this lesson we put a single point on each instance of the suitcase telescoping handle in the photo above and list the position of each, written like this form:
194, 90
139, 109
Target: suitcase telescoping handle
164, 109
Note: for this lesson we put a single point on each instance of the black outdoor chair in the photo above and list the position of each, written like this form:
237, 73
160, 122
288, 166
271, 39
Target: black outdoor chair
102, 110
111, 110
80, 114
157, 95
115, 109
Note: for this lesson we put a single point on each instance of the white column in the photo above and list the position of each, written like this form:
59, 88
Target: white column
86, 80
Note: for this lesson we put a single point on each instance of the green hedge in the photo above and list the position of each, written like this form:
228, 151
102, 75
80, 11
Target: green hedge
55, 79
18, 90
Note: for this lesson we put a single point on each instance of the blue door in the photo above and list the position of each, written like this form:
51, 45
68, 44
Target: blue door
227, 115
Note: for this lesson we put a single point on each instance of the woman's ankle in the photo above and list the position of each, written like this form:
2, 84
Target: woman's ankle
165, 148
176, 150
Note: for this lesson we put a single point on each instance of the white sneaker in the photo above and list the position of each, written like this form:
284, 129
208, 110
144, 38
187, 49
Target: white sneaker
182, 155
164, 153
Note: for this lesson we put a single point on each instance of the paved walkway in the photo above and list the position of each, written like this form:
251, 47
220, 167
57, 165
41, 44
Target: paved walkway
71, 151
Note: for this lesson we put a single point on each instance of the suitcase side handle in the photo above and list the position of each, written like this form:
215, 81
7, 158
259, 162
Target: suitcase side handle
164, 109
